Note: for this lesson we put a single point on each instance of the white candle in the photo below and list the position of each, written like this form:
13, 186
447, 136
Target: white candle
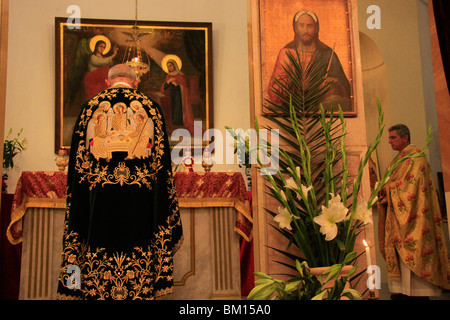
369, 261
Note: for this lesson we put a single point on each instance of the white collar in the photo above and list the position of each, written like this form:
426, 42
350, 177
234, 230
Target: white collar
120, 84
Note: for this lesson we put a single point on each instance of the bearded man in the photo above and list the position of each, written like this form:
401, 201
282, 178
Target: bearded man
306, 42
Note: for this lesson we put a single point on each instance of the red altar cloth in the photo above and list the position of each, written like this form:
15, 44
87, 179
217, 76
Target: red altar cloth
217, 189
45, 189
194, 189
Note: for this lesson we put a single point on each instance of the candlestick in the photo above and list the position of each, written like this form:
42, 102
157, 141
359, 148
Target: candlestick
207, 161
62, 159
188, 161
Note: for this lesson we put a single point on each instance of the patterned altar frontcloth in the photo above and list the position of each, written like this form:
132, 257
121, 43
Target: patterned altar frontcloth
216, 189
47, 189
42, 189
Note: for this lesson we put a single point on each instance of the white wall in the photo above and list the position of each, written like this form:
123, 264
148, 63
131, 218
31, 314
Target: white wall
406, 53
30, 99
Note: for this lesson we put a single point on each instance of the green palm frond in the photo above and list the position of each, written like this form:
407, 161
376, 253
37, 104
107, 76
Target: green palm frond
301, 92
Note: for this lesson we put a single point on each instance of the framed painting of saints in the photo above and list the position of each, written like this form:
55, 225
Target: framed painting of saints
173, 61
307, 29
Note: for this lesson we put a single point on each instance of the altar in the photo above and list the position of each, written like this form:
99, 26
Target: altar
215, 213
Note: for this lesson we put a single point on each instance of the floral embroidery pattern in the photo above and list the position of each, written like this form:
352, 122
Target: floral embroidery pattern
414, 224
120, 275
107, 276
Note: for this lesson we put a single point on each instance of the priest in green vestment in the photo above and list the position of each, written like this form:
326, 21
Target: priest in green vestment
122, 223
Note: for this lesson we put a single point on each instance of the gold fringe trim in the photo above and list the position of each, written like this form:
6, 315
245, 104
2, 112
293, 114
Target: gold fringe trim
14, 231
240, 206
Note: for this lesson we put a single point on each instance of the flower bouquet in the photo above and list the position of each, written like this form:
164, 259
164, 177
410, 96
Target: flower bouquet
324, 227
13, 147
319, 208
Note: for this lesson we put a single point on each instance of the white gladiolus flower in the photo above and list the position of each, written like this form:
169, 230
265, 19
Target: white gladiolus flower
291, 184
284, 218
306, 189
376, 185
363, 213
374, 201
297, 171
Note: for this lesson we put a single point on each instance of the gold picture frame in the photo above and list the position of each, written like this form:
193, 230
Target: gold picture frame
187, 43
272, 30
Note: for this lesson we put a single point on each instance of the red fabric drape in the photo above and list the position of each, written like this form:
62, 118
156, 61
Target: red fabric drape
94, 82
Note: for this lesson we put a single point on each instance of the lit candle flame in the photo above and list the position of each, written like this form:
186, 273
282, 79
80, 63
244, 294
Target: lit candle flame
365, 243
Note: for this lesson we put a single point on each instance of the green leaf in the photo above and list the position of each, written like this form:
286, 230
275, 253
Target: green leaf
320, 296
341, 244
262, 292
333, 272
301, 267
352, 271
349, 258
263, 281
262, 275
291, 286
352, 294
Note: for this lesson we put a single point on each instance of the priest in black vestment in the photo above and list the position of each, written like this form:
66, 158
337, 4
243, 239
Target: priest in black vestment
122, 224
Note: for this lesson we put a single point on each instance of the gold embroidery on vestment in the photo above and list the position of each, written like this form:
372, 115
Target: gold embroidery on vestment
104, 135
121, 275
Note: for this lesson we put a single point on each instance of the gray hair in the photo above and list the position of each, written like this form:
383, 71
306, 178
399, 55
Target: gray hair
402, 130
122, 70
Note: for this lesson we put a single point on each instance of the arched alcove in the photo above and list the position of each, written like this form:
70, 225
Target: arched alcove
374, 84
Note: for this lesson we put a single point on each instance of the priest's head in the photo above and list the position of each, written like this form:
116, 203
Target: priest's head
122, 73
399, 137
